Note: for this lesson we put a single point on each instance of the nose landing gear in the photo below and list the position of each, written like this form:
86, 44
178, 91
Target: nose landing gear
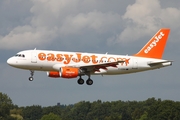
32, 73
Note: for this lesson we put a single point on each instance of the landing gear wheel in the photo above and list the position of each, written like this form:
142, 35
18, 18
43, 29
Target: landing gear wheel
89, 82
80, 81
31, 78
32, 73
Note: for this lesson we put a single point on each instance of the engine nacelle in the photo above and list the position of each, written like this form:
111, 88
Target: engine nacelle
53, 74
65, 72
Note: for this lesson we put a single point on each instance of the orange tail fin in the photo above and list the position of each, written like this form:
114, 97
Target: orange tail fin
155, 47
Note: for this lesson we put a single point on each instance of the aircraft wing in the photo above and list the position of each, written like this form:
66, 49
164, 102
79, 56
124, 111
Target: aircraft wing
91, 67
155, 63
96, 67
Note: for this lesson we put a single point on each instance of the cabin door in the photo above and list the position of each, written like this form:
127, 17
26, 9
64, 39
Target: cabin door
33, 57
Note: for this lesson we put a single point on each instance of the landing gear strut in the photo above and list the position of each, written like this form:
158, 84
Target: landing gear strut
89, 81
32, 73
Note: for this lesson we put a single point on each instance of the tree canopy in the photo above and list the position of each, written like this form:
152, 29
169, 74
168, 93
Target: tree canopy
5, 106
150, 109
51, 116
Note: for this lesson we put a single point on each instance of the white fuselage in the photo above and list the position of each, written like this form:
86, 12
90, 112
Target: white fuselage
43, 60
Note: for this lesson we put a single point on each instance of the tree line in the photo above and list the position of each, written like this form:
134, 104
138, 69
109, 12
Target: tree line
150, 109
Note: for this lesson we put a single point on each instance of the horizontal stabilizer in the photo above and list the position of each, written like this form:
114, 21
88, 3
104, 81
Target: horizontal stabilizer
155, 63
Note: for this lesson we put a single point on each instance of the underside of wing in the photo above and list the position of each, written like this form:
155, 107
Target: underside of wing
91, 67
96, 67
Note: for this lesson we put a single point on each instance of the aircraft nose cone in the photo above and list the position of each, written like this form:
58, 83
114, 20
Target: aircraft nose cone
10, 61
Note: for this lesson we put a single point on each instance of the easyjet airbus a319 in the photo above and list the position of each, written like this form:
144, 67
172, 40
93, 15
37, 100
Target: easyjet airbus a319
76, 64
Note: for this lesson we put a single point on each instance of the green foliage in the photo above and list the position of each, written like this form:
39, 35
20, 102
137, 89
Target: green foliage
5, 106
17, 116
51, 116
52, 109
16, 113
144, 116
80, 110
150, 109
32, 112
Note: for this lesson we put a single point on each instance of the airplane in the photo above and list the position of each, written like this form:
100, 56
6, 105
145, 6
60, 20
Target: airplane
63, 64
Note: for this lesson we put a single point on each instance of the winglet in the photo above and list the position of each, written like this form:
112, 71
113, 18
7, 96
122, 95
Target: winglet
155, 47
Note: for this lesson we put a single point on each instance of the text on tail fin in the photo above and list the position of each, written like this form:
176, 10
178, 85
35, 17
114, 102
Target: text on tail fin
155, 47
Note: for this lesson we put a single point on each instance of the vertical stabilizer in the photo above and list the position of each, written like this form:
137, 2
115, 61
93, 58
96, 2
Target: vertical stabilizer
155, 47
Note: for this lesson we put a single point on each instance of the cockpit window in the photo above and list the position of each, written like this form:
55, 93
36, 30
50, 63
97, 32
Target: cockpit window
19, 55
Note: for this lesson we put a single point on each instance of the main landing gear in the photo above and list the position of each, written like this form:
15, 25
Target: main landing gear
88, 81
32, 73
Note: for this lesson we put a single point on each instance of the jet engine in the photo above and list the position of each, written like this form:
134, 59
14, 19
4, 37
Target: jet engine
65, 72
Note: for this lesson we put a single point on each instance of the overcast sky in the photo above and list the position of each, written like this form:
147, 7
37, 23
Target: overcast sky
113, 26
